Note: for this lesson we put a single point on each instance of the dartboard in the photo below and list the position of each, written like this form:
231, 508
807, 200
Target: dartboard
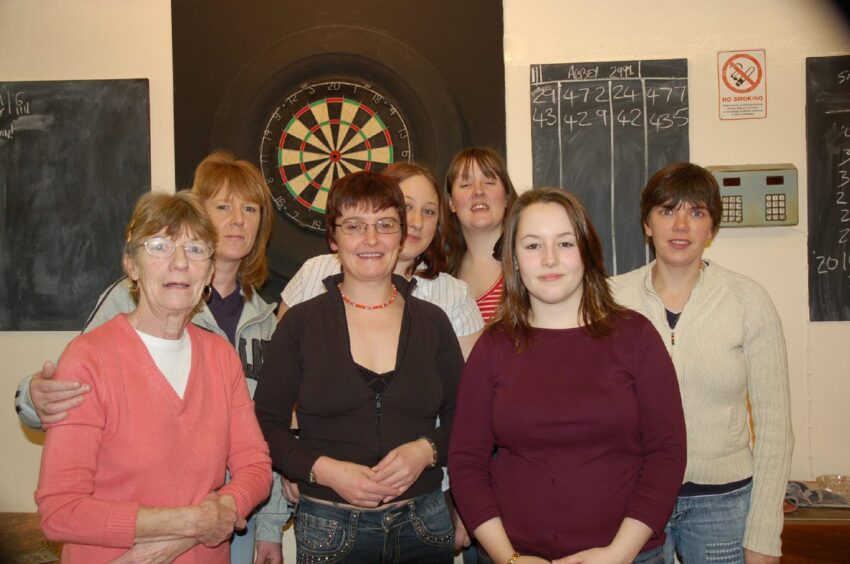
322, 131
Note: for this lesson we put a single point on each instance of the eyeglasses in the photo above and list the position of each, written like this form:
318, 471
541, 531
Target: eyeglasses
163, 247
382, 227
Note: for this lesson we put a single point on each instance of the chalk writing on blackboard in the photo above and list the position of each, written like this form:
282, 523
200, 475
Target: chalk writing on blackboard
600, 130
12, 106
828, 153
74, 158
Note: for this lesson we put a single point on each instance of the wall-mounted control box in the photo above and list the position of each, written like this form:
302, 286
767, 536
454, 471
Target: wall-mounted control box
757, 195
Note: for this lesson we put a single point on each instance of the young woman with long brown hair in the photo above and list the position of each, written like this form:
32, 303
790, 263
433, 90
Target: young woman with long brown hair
578, 399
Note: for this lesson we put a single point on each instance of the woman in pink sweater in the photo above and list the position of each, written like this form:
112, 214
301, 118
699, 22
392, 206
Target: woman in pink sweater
143, 460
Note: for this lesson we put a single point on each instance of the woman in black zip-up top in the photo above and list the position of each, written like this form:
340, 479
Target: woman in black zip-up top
369, 368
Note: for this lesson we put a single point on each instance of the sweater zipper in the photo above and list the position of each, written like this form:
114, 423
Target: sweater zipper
378, 425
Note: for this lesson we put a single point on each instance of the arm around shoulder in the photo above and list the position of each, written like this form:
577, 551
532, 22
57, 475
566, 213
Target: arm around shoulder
24, 406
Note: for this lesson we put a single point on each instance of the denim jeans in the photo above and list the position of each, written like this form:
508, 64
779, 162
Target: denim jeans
420, 530
652, 556
708, 528
242, 544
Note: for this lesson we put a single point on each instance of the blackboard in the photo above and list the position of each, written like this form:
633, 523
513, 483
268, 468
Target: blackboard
600, 130
74, 158
828, 154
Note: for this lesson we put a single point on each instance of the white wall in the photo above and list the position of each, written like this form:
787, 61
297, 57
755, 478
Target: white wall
564, 31
79, 39
67, 40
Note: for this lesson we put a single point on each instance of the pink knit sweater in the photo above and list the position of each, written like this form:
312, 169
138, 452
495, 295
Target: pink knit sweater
133, 442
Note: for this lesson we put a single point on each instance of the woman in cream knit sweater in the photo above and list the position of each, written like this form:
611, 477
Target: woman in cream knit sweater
726, 341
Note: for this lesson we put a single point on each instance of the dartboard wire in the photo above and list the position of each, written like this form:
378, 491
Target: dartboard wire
349, 166
360, 129
339, 172
333, 165
297, 184
322, 188
298, 130
363, 140
370, 129
346, 118
294, 156
382, 155
312, 177
319, 109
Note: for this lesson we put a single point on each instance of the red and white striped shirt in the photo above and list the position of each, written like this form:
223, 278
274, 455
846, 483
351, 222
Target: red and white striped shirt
488, 302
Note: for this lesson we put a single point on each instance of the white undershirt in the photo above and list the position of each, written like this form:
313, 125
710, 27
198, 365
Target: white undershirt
173, 357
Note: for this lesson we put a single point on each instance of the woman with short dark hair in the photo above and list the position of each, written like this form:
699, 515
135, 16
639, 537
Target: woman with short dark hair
368, 368
725, 339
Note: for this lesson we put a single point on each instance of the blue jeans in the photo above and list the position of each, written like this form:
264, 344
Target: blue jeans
652, 556
708, 528
420, 530
242, 544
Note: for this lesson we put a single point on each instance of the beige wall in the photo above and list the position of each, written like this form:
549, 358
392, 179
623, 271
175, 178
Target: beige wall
66, 40
557, 31
78, 39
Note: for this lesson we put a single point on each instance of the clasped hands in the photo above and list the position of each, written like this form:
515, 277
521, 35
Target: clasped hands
210, 523
370, 487
217, 519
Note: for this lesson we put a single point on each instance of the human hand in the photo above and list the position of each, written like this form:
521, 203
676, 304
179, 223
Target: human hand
599, 555
354, 482
269, 553
159, 552
217, 518
403, 465
751, 557
53, 398
462, 539
290, 490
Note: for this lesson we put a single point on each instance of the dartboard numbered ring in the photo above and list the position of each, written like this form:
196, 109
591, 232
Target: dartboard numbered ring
322, 131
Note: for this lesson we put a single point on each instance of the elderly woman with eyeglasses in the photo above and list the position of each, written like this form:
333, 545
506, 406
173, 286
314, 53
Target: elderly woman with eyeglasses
239, 203
144, 458
368, 368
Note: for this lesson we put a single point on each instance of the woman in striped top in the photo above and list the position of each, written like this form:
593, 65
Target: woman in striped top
480, 192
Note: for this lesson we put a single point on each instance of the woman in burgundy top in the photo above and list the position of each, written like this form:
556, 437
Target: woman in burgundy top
577, 397
479, 194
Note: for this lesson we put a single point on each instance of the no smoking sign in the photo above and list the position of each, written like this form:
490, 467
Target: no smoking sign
742, 84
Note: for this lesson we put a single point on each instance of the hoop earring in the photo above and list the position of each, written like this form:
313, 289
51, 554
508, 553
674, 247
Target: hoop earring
207, 293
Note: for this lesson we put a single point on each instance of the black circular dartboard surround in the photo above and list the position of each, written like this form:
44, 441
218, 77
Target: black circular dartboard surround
322, 131
376, 72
